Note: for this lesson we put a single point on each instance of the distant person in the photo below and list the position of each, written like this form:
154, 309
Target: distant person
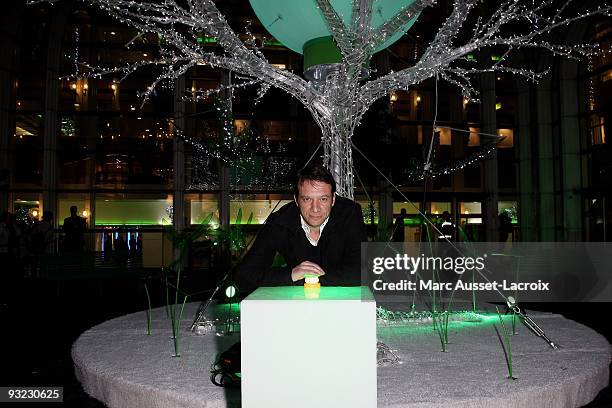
447, 228
10, 271
42, 235
6, 277
16, 241
5, 237
40, 242
108, 242
132, 243
74, 230
505, 226
399, 234
139, 243
121, 249
120, 244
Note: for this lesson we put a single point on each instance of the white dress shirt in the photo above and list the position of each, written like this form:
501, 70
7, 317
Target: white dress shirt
307, 230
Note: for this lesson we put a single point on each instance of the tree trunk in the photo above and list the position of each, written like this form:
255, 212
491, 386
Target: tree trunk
338, 155
337, 113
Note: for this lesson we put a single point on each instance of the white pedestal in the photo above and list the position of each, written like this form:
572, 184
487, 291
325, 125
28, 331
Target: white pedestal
301, 351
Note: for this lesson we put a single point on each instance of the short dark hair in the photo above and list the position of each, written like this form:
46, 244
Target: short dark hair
315, 172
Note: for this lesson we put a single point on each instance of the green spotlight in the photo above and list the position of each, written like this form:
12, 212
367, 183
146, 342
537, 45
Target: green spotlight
230, 291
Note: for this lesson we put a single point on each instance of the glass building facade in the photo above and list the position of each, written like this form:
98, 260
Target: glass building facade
73, 140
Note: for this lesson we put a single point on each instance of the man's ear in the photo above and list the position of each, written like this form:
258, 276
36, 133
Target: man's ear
295, 199
333, 199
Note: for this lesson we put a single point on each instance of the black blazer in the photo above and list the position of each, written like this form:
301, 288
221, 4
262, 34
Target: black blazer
338, 251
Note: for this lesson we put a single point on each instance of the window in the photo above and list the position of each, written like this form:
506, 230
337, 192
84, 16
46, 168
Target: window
507, 140
445, 136
26, 153
259, 210
474, 138
471, 213
202, 206
65, 201
133, 211
410, 208
437, 208
597, 129
27, 207
510, 207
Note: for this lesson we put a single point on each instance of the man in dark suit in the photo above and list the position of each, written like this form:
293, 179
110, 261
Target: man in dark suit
318, 234
74, 230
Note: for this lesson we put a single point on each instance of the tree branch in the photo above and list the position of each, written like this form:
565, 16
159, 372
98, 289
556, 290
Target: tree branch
393, 25
342, 36
361, 19
441, 53
167, 19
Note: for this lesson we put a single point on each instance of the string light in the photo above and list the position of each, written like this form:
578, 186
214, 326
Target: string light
385, 317
241, 152
591, 87
339, 100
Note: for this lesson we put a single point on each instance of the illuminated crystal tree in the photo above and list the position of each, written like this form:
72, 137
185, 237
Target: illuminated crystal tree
337, 94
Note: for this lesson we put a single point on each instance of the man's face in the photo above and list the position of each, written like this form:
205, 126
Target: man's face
315, 200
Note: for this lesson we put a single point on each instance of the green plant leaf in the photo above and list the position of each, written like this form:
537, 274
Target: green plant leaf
239, 216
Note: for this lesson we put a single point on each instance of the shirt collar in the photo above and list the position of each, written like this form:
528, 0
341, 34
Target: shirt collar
306, 229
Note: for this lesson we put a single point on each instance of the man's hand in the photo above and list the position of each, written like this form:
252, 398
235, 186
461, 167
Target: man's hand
306, 268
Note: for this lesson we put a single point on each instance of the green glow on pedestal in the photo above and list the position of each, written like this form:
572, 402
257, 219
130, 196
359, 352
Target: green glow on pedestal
222, 311
356, 293
294, 23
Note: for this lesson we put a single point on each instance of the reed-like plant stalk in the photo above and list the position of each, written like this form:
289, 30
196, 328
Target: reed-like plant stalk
181, 241
440, 332
146, 287
516, 279
506, 346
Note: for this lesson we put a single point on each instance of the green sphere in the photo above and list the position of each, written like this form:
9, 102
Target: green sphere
295, 22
